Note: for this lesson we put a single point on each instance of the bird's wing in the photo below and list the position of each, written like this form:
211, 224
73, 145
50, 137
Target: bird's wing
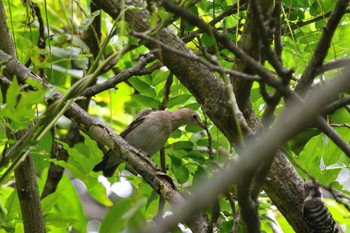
139, 119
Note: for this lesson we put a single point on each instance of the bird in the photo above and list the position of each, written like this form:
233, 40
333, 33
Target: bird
315, 212
149, 132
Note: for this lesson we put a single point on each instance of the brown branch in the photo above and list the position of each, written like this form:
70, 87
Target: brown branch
272, 57
6, 42
28, 195
248, 204
332, 107
41, 40
276, 18
333, 65
162, 155
122, 76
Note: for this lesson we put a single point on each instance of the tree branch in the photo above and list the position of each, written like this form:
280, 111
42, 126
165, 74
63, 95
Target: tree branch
122, 76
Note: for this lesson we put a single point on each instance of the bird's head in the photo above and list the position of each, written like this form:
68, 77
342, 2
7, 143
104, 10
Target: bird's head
186, 116
311, 190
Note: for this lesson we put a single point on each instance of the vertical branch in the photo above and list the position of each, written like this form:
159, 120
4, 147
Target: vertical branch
6, 42
41, 40
28, 194
276, 16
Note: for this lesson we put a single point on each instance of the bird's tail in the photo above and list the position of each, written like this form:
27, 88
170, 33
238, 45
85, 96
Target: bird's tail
109, 164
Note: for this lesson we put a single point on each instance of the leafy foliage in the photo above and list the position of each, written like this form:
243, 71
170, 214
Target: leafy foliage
67, 58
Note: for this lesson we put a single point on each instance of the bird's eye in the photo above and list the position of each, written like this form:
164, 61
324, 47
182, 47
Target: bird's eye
194, 116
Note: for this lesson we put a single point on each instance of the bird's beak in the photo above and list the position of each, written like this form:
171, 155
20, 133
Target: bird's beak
201, 124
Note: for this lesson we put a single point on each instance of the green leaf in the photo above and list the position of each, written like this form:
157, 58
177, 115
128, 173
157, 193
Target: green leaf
59, 220
193, 128
97, 191
50, 201
160, 76
176, 134
331, 153
19, 106
153, 197
310, 157
13, 207
196, 156
12, 94
73, 72
122, 214
1, 101
338, 211
84, 26
182, 145
315, 9
69, 204
83, 157
178, 100
146, 101
142, 87
181, 172
208, 40
330, 175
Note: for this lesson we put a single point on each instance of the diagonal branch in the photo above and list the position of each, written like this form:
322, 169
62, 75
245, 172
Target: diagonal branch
122, 76
322, 47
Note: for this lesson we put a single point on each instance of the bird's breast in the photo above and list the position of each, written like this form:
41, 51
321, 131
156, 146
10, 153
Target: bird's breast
149, 136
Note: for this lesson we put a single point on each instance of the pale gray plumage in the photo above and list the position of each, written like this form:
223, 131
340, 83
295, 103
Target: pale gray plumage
149, 132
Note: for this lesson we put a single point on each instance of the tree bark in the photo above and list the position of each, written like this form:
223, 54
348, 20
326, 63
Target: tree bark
28, 194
